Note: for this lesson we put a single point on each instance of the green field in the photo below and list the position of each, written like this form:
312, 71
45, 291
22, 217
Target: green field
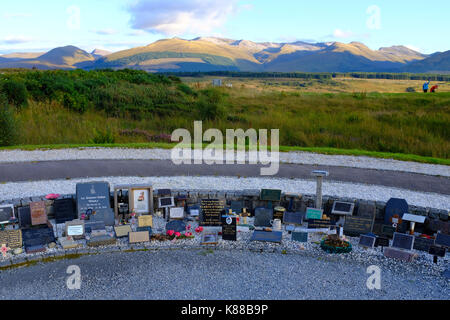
125, 107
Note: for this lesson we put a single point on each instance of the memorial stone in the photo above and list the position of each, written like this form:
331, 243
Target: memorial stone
38, 213
64, 210
229, 228
211, 212
355, 225
274, 236
263, 217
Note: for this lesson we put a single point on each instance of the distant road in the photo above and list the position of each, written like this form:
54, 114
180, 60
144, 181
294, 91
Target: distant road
50, 170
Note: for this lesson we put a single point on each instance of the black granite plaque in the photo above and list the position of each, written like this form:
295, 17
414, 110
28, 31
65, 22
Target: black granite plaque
89, 226
293, 218
64, 210
237, 206
148, 228
438, 225
37, 237
437, 251
319, 223
274, 236
270, 195
300, 236
442, 240
211, 212
388, 231
263, 217
24, 214
423, 244
367, 209
229, 229
395, 207
382, 242
367, 241
6, 213
176, 225
403, 241
357, 225
164, 192
92, 195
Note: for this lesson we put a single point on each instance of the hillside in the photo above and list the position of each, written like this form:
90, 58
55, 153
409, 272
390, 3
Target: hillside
206, 54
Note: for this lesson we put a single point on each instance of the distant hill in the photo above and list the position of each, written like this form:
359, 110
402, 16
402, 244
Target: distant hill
436, 63
220, 54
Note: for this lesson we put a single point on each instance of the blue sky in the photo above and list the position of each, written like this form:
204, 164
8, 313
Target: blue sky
30, 25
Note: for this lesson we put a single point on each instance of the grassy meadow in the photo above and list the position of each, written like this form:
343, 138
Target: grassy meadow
331, 114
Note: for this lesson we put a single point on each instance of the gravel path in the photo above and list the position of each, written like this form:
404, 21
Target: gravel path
13, 190
165, 154
202, 274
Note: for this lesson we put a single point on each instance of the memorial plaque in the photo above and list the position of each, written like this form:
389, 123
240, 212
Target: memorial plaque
166, 202
382, 242
437, 251
237, 206
122, 231
145, 221
367, 210
442, 240
270, 195
93, 225
293, 218
67, 243
319, 223
139, 236
300, 236
438, 225
176, 213
395, 208
423, 244
75, 229
413, 218
176, 225
274, 236
34, 239
357, 225
229, 228
398, 254
145, 229
164, 192
12, 238
94, 196
141, 199
194, 211
38, 213
64, 210
313, 213
343, 208
403, 241
103, 240
263, 217
212, 212
388, 231
6, 213
367, 241
24, 214
209, 237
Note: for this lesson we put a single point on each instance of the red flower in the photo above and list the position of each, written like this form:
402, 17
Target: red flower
177, 234
170, 232
199, 229
188, 234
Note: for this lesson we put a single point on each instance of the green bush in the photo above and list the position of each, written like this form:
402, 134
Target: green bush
16, 92
8, 124
103, 137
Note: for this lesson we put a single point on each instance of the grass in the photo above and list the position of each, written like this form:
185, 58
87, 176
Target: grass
319, 150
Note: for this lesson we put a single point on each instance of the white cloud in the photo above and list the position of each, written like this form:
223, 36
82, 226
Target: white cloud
16, 39
105, 32
176, 18
338, 33
409, 46
17, 15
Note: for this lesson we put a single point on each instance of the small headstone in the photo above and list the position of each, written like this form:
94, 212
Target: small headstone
342, 208
437, 251
229, 228
263, 217
166, 202
270, 195
237, 206
313, 213
176, 225
194, 211
6, 213
388, 231
122, 231
300, 236
38, 213
176, 213
319, 223
355, 225
274, 236
209, 237
211, 212
68, 243
64, 210
164, 192
24, 214
403, 241
382, 242
367, 241
93, 225
75, 229
36, 239
94, 196
442, 240
395, 208
278, 213
367, 209
423, 244
399, 254
139, 236
145, 229
103, 240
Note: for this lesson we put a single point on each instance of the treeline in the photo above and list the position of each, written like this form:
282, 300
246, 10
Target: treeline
312, 75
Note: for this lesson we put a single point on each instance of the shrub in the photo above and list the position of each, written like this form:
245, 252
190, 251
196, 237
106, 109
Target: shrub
103, 137
410, 89
16, 92
8, 124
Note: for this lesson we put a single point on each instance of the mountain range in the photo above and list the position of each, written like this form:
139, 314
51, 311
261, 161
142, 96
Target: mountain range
219, 54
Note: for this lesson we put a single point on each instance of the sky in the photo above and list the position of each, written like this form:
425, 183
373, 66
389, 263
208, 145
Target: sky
30, 25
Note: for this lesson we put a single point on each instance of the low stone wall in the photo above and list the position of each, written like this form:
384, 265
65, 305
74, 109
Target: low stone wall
250, 197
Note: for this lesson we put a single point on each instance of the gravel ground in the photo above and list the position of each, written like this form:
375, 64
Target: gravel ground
164, 154
203, 274
13, 190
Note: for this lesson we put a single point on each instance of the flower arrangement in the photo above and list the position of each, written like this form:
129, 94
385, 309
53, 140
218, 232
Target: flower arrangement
334, 244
